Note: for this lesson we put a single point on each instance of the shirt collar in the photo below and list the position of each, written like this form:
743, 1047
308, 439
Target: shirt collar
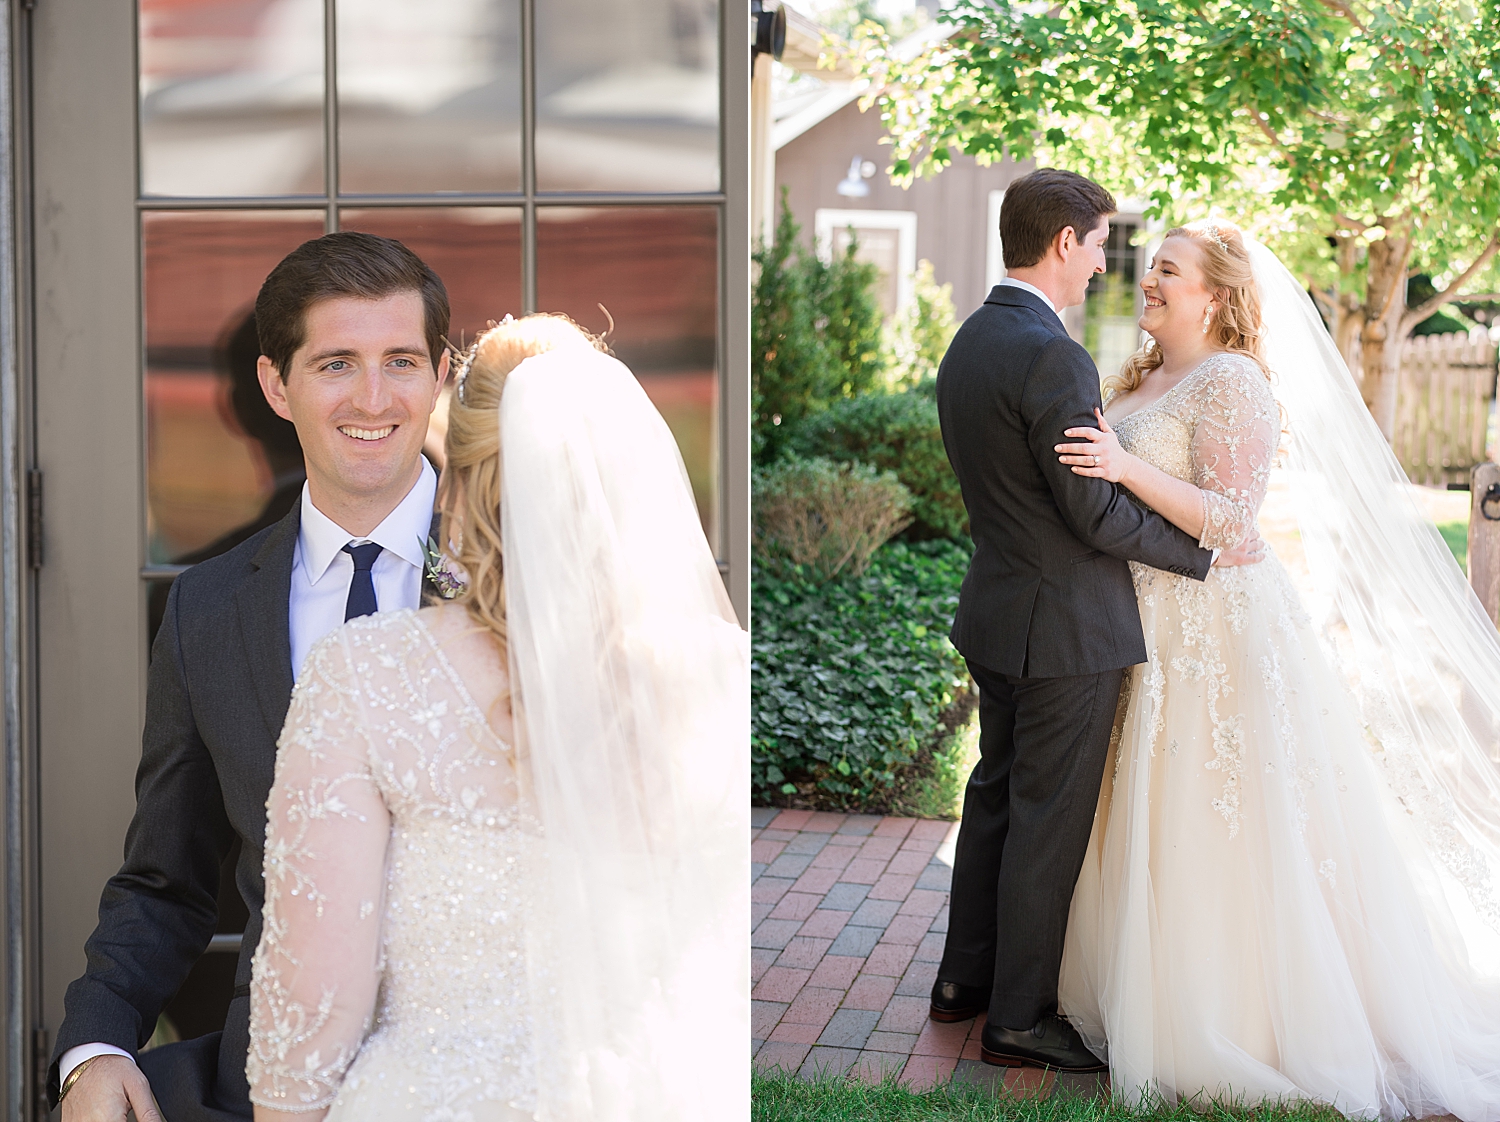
1031, 288
404, 531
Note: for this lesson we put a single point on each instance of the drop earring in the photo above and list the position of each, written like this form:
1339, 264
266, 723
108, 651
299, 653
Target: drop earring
1208, 318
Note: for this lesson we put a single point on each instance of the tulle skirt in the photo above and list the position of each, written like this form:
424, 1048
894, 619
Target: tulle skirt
1257, 917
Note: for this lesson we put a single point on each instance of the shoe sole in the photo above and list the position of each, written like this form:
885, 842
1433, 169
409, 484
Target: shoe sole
1000, 1059
948, 1016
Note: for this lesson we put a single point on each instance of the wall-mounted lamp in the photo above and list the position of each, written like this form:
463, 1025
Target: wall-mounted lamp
853, 185
770, 29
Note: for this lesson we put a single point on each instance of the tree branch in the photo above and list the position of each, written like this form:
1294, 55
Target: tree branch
1416, 315
1350, 223
1345, 10
1265, 127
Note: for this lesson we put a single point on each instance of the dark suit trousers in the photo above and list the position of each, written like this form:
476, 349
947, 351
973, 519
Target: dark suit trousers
1028, 811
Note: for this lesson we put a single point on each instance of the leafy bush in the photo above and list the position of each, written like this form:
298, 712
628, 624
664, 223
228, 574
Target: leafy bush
815, 334
918, 337
894, 432
851, 678
818, 516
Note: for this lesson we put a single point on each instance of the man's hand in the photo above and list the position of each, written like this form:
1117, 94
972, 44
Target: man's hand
111, 1087
1249, 552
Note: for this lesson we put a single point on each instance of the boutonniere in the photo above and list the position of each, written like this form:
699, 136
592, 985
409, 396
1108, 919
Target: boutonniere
445, 576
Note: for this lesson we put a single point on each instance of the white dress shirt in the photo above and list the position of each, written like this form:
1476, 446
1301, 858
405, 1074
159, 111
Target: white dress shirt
1031, 288
322, 571
321, 574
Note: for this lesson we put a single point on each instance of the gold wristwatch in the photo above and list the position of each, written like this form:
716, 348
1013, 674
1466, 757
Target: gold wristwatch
73, 1077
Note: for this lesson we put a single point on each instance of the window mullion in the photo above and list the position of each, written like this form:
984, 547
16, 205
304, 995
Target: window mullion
330, 115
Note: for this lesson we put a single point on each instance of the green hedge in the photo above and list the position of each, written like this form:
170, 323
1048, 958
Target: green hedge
893, 432
849, 679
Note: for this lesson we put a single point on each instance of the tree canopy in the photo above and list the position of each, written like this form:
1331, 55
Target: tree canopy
1373, 126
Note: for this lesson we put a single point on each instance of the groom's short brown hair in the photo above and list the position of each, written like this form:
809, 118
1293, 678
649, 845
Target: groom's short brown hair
1039, 205
348, 263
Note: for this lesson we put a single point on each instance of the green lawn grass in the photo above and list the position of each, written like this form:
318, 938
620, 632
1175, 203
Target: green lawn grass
786, 1098
1456, 534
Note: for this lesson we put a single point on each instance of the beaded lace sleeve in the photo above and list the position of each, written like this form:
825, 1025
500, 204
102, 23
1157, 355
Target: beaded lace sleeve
1235, 439
317, 967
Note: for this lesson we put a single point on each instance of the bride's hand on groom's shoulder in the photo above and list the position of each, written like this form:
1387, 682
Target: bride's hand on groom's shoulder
1101, 457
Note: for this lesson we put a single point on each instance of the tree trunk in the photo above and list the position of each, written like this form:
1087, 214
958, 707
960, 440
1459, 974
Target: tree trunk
1380, 337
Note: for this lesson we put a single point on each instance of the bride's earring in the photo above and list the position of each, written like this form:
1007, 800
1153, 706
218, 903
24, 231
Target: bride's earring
1208, 318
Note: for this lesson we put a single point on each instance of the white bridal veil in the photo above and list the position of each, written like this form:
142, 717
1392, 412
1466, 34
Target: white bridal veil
1411, 638
633, 686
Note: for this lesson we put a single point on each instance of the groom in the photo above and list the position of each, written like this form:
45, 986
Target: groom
1047, 620
351, 333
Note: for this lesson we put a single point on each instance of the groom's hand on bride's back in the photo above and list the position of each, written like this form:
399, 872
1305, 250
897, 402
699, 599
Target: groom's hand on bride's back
1249, 552
110, 1088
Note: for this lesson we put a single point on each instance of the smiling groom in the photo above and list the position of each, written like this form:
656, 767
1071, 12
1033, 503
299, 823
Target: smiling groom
351, 332
1047, 620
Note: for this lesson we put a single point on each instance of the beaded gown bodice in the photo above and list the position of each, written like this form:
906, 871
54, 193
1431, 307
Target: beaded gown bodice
1218, 429
391, 981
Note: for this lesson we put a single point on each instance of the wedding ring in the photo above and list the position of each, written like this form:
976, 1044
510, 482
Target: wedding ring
1096, 461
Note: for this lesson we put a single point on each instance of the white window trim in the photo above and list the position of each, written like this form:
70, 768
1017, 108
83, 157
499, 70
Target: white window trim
904, 222
994, 257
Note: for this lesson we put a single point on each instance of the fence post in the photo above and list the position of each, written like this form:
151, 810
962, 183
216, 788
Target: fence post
1484, 536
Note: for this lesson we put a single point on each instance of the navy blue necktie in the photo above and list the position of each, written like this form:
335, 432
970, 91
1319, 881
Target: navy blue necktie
362, 587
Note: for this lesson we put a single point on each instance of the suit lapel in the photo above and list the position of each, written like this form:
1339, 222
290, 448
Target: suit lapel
263, 600
428, 588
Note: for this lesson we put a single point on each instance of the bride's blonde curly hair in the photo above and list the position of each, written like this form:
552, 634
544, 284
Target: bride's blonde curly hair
470, 499
1236, 323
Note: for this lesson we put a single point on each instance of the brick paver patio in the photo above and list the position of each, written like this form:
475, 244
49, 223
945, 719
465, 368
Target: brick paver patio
848, 913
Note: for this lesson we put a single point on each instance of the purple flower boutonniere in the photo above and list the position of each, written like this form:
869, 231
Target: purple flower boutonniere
444, 574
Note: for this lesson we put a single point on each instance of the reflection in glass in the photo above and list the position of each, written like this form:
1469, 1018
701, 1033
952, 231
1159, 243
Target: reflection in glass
219, 464
627, 96
655, 273
231, 97
429, 96
477, 252
1110, 331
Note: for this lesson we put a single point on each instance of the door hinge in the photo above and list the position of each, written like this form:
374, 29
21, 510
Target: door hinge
41, 1060
34, 518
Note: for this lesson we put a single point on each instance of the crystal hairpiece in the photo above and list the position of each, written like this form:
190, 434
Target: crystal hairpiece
1217, 238
463, 359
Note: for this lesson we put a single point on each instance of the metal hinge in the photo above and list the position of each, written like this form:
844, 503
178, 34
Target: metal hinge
41, 1060
34, 518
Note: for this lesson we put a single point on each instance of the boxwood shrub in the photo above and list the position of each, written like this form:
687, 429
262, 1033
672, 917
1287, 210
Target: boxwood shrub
850, 678
893, 432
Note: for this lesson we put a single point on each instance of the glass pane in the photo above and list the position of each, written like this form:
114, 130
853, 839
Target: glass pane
219, 464
656, 271
429, 96
1110, 331
477, 252
627, 96
231, 97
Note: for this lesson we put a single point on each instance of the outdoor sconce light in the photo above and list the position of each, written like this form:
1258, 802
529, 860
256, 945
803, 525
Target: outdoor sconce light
853, 185
770, 29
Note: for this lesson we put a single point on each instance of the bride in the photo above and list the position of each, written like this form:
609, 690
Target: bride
505, 849
1290, 891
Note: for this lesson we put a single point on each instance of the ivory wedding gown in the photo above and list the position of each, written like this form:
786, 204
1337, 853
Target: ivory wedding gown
1258, 915
398, 865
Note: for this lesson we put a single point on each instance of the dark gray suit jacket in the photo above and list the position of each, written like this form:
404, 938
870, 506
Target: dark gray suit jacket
1048, 593
218, 692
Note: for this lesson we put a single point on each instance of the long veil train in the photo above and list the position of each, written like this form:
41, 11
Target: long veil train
633, 684
1411, 639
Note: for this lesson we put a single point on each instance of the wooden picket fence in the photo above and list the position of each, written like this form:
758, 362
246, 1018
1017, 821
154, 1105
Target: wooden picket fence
1443, 406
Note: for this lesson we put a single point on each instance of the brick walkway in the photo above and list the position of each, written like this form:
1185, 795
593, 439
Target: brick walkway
848, 914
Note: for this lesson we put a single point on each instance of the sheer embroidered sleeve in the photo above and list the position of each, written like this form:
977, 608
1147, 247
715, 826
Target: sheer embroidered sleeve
317, 967
1235, 439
